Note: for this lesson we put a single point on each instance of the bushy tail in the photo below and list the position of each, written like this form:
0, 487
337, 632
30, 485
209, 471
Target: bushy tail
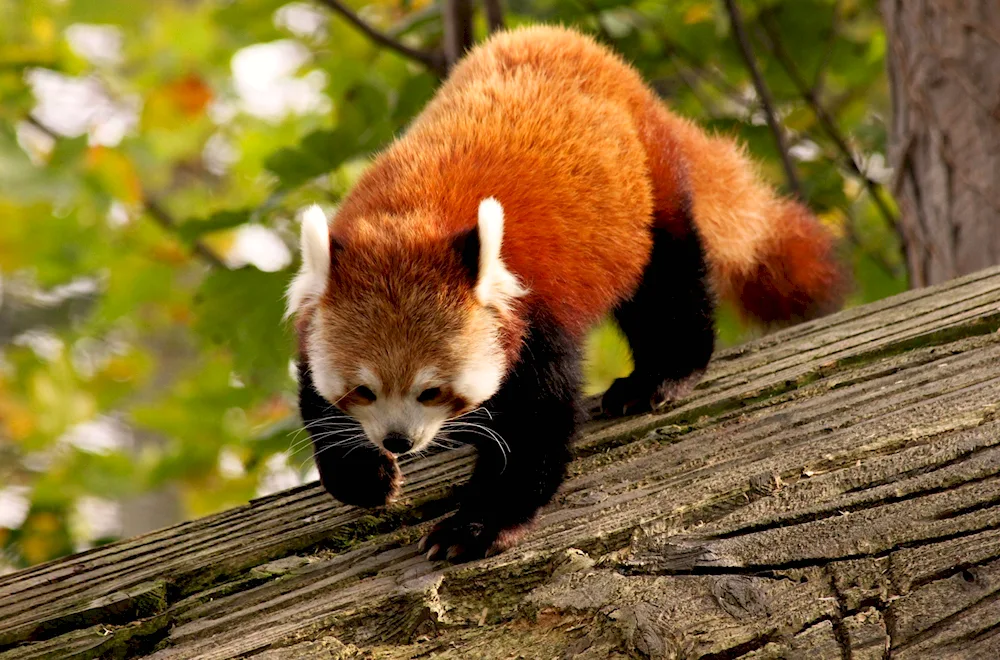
768, 255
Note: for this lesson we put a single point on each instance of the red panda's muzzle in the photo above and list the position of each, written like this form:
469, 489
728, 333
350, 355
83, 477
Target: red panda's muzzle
397, 443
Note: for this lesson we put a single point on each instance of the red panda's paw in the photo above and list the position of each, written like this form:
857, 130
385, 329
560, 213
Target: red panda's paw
460, 539
639, 393
362, 478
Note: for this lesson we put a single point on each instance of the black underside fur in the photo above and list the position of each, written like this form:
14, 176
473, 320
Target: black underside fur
536, 413
668, 322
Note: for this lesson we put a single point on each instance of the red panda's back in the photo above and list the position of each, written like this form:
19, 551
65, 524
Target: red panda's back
542, 119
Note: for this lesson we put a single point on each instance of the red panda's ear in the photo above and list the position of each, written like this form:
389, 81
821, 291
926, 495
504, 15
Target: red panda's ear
318, 248
496, 286
336, 248
466, 245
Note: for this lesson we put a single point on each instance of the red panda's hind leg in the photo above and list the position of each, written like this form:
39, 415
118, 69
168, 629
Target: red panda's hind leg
668, 322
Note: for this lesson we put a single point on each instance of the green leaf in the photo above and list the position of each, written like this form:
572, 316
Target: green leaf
68, 152
363, 127
241, 311
191, 230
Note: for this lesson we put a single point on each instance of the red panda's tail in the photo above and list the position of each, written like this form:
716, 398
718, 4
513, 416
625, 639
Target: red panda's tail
768, 255
797, 275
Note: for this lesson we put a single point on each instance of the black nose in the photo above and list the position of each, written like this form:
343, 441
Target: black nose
397, 443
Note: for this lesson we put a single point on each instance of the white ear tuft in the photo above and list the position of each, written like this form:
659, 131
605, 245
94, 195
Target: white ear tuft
315, 245
497, 285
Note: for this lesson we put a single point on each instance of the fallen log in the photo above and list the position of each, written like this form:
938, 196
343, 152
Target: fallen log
829, 489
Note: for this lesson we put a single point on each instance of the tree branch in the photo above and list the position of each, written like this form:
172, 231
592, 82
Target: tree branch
414, 19
432, 60
825, 120
457, 30
165, 220
708, 75
494, 14
765, 96
150, 205
24, 308
817, 86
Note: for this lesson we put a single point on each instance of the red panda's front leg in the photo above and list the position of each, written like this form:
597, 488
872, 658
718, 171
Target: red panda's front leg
351, 468
522, 458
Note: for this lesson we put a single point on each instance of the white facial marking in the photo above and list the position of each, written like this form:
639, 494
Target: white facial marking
497, 285
480, 378
400, 413
310, 283
425, 378
403, 414
367, 377
326, 381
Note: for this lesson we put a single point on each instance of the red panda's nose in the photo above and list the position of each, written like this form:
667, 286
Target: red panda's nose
397, 443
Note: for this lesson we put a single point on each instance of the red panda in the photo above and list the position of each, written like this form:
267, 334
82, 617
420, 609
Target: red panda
542, 188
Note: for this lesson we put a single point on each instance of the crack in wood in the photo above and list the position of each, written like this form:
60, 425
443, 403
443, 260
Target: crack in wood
862, 506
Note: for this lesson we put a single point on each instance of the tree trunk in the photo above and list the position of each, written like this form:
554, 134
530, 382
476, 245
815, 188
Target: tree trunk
457, 19
944, 71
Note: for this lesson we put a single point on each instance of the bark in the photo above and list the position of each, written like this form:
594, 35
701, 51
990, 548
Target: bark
457, 19
494, 14
944, 70
829, 491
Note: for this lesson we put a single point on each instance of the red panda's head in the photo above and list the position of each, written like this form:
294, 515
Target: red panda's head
400, 328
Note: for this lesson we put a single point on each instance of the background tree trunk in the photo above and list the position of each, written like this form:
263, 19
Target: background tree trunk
944, 71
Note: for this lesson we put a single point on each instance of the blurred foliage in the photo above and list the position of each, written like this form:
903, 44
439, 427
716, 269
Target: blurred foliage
173, 380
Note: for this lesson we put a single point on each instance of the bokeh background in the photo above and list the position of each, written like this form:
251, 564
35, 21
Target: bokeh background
154, 159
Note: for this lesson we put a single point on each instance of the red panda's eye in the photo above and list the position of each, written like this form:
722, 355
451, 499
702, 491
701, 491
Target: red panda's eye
428, 395
365, 393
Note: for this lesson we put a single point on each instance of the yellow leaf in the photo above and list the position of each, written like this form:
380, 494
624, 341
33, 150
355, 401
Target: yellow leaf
177, 102
181, 314
170, 252
834, 220
36, 548
698, 14
46, 523
43, 29
18, 422
120, 369
115, 172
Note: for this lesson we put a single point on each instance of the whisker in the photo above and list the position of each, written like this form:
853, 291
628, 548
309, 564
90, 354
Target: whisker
469, 413
492, 432
321, 439
356, 440
328, 425
485, 431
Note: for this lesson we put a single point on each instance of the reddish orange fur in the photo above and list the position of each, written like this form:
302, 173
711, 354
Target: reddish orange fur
798, 276
584, 159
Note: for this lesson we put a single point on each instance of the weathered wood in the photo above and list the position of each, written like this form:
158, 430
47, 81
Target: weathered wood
830, 491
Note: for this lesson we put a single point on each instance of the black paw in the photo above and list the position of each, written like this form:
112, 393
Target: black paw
365, 477
641, 393
460, 539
